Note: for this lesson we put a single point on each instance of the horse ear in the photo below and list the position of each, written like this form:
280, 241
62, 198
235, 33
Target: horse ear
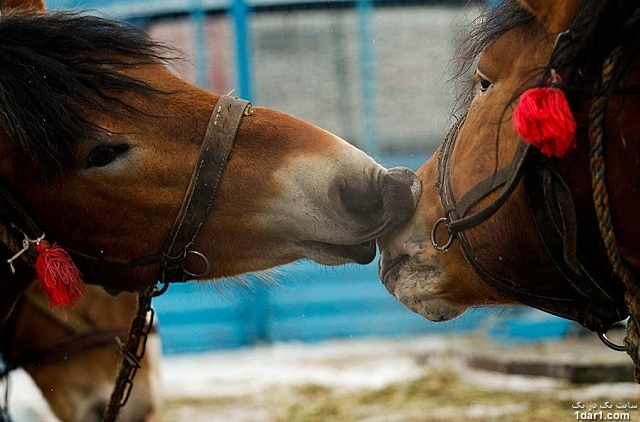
556, 15
24, 4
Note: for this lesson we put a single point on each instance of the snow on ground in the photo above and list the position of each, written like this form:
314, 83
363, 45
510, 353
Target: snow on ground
341, 364
347, 364
26, 403
260, 383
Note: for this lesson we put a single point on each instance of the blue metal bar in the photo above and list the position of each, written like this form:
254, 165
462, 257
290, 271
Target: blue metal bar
200, 56
256, 314
364, 9
240, 12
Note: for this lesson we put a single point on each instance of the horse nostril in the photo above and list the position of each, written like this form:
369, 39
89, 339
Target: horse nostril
362, 202
376, 201
401, 191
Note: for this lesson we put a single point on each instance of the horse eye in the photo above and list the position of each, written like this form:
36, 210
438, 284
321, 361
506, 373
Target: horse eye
103, 155
484, 84
481, 79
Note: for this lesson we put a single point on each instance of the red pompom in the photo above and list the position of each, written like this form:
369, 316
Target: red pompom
543, 118
60, 279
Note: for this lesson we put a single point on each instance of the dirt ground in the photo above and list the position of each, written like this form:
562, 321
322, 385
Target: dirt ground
414, 379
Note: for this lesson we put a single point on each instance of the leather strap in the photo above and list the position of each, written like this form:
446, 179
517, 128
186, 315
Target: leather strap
83, 335
69, 346
554, 215
205, 180
506, 177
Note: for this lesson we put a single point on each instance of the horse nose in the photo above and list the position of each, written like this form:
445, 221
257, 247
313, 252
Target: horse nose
401, 192
389, 199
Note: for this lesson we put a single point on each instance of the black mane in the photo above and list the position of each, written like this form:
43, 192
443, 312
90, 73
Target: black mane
57, 67
599, 27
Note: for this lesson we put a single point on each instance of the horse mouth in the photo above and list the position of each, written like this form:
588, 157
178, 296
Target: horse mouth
414, 289
388, 271
333, 254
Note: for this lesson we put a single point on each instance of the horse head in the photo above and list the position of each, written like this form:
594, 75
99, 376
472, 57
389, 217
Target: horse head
99, 142
499, 222
72, 355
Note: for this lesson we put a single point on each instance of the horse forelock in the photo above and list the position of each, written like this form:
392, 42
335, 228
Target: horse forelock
487, 28
59, 68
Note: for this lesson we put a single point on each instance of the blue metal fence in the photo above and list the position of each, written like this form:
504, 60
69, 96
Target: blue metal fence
240, 13
308, 303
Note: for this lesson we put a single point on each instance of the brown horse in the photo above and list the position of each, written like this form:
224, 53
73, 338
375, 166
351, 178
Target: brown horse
73, 357
499, 222
99, 142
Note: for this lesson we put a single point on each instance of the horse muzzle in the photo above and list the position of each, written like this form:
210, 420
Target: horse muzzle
415, 287
378, 204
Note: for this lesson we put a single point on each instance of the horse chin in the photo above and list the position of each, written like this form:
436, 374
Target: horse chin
330, 254
416, 289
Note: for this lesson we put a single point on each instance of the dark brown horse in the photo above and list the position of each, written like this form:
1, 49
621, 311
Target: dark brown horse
73, 357
499, 222
99, 141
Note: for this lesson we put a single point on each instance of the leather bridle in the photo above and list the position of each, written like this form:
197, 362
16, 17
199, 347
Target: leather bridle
592, 297
205, 180
19, 233
214, 153
593, 301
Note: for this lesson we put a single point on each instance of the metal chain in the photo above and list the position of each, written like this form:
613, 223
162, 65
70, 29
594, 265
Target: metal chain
133, 351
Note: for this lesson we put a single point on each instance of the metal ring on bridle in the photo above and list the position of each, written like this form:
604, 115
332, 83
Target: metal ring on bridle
207, 264
434, 242
611, 345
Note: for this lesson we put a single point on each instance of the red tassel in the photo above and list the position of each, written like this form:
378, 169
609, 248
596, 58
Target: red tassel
60, 279
543, 118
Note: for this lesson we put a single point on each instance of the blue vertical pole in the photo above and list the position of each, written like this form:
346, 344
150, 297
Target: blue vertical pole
364, 10
256, 314
240, 11
198, 20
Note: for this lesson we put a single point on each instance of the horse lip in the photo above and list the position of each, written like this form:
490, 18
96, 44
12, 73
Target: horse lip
364, 252
388, 269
